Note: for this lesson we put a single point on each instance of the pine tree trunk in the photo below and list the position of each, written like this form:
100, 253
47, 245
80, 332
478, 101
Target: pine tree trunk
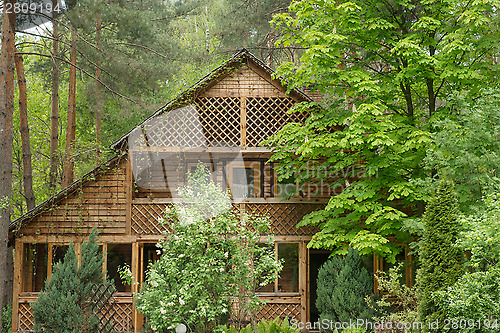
98, 98
25, 133
54, 112
71, 124
6, 139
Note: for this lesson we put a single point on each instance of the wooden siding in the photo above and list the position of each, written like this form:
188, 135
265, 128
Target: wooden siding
243, 82
99, 203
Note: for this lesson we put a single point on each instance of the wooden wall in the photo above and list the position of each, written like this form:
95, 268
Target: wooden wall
99, 203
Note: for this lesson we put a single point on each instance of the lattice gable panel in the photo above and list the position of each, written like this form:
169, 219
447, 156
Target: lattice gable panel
243, 82
97, 203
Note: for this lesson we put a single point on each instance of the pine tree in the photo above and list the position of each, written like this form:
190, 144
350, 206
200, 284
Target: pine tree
63, 305
343, 284
441, 263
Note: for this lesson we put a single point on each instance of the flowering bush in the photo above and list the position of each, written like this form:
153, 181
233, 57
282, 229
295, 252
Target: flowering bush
210, 264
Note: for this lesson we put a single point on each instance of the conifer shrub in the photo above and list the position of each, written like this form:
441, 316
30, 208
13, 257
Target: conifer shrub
63, 306
343, 284
441, 260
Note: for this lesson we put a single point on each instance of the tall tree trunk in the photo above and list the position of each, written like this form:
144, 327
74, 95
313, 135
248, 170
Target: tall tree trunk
25, 132
54, 112
71, 124
6, 138
98, 98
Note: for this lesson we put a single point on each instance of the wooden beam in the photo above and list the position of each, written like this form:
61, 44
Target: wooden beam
128, 196
243, 121
50, 258
303, 281
318, 201
135, 286
18, 262
218, 150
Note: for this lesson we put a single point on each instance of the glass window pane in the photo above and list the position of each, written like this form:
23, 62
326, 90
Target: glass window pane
35, 261
289, 276
58, 253
243, 182
269, 288
286, 187
118, 256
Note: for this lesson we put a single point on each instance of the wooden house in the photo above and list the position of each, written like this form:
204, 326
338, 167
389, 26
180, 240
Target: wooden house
220, 121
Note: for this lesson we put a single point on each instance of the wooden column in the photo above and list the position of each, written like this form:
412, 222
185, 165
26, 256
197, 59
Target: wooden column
18, 262
50, 258
243, 120
135, 286
303, 278
128, 196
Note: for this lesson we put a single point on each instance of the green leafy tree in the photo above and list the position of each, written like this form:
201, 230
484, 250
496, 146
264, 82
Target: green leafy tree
63, 306
441, 260
466, 148
476, 295
391, 65
210, 260
343, 284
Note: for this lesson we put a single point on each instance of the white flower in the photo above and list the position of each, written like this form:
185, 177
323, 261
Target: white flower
224, 310
222, 269
181, 255
163, 311
158, 252
226, 254
181, 301
170, 304
154, 284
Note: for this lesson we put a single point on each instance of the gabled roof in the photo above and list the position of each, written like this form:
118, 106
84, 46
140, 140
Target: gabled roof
236, 61
241, 57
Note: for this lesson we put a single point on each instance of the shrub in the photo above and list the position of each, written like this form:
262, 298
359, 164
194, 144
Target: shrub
343, 284
441, 260
273, 326
63, 306
475, 297
399, 300
211, 260
7, 318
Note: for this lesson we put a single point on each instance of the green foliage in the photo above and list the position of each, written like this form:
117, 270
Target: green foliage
343, 284
204, 264
441, 260
398, 300
7, 318
480, 236
272, 326
476, 294
63, 306
391, 64
473, 299
466, 147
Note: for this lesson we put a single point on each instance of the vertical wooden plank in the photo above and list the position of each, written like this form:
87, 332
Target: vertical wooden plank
135, 287
276, 258
105, 261
140, 317
303, 281
308, 285
243, 120
28, 283
18, 261
50, 258
128, 196
408, 268
78, 252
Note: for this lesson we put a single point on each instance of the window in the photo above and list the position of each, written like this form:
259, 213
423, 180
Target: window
285, 187
244, 179
288, 281
118, 255
58, 253
289, 277
35, 260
